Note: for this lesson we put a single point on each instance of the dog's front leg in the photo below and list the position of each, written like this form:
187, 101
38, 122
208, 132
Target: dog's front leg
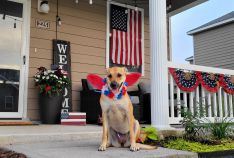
133, 144
103, 145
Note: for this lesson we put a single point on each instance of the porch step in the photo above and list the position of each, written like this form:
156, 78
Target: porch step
42, 133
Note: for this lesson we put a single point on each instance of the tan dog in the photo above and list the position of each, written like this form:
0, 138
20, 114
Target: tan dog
120, 128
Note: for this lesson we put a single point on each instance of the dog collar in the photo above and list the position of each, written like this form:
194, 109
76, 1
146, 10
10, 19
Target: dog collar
107, 92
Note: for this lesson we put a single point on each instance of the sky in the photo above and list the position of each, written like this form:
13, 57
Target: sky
182, 44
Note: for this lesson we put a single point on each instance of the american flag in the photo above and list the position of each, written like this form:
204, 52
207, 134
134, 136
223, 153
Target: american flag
126, 36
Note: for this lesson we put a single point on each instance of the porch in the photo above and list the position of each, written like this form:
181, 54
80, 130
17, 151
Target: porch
70, 141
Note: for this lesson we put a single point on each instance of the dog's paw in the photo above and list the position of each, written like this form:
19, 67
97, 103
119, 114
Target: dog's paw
134, 147
102, 148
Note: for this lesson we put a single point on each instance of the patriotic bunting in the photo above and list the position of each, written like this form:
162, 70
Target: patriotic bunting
209, 81
227, 83
186, 81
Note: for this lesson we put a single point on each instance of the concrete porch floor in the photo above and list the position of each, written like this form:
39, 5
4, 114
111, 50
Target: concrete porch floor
57, 141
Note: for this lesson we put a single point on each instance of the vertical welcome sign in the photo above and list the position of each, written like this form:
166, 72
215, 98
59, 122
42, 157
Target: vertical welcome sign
62, 58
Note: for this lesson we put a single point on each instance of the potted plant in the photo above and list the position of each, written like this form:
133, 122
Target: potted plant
51, 84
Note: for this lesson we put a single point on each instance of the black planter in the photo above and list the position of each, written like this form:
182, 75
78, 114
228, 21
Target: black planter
50, 109
217, 154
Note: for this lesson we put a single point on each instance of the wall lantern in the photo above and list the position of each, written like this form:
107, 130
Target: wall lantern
43, 6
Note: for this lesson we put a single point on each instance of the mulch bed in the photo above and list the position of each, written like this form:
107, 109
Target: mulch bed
4, 153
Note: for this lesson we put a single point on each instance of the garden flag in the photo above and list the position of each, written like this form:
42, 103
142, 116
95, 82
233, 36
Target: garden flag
125, 36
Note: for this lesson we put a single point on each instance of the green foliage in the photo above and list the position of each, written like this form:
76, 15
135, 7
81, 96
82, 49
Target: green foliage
192, 122
148, 134
220, 128
181, 144
151, 133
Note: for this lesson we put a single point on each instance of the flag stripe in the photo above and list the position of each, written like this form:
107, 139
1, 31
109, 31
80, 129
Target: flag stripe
126, 42
124, 48
140, 38
137, 39
121, 50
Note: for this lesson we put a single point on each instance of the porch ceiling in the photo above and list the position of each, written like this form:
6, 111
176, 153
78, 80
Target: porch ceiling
176, 6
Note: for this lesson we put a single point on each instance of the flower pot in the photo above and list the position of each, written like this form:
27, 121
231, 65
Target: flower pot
50, 108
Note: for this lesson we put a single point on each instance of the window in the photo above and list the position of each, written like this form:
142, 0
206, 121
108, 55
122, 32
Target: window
125, 34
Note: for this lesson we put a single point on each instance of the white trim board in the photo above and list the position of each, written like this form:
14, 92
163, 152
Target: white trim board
210, 26
108, 33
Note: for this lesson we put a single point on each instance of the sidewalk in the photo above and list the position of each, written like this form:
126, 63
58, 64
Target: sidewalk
41, 133
87, 148
57, 141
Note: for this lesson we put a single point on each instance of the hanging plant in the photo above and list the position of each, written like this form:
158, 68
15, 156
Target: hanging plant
210, 81
186, 81
227, 83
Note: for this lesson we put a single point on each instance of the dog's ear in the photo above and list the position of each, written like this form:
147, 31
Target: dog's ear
132, 78
96, 81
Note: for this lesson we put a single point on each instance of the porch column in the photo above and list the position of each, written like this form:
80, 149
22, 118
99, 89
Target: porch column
158, 61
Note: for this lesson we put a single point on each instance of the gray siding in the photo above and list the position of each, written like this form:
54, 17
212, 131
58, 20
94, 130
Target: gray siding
215, 47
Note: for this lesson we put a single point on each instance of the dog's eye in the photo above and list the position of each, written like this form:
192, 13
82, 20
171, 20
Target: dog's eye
109, 76
119, 75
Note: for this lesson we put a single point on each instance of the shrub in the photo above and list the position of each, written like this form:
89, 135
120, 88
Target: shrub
220, 128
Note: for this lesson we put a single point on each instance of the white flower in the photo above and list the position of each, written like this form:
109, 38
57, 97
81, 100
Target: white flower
47, 77
43, 77
64, 76
38, 76
36, 80
45, 73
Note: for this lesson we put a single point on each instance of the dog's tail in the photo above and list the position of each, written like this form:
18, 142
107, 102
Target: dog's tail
147, 147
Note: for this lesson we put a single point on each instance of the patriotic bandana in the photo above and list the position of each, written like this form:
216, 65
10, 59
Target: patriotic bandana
107, 92
101, 84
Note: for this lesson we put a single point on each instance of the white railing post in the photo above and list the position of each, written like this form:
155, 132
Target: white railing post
158, 61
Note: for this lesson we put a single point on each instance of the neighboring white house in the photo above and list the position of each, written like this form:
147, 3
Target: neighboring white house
214, 42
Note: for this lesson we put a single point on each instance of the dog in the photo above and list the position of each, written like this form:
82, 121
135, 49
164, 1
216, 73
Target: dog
120, 128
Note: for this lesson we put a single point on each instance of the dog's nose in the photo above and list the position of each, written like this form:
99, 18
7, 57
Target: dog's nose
114, 85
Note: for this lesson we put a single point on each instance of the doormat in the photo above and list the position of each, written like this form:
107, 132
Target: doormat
12, 123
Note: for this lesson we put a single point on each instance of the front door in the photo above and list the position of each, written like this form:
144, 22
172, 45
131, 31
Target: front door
12, 58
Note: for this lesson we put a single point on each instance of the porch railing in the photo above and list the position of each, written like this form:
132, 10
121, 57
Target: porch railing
215, 105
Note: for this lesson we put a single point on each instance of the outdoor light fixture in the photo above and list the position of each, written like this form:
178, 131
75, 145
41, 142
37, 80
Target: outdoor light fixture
90, 1
59, 22
43, 6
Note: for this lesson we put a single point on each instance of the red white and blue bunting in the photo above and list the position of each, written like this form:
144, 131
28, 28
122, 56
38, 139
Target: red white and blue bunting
227, 83
188, 81
209, 81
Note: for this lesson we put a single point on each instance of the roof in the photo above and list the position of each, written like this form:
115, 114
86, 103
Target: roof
223, 20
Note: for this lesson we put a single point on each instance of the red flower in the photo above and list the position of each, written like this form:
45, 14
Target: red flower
47, 88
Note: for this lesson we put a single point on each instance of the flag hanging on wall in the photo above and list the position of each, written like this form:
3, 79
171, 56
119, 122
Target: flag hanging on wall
126, 36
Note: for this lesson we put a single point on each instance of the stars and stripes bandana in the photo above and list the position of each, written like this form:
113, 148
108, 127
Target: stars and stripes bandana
126, 36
